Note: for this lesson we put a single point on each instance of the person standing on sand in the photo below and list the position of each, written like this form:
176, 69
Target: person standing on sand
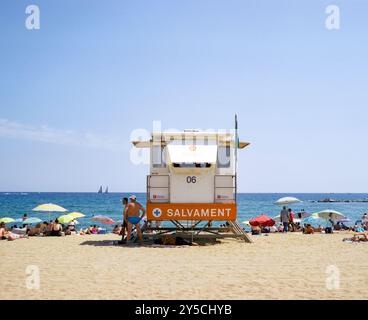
284, 218
131, 213
124, 227
291, 220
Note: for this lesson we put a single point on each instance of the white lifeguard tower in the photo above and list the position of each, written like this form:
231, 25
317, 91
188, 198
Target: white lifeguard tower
192, 183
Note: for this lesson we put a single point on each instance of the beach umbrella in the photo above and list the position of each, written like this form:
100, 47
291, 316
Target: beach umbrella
263, 220
65, 218
103, 219
49, 207
246, 222
287, 200
6, 220
31, 221
76, 215
330, 214
312, 219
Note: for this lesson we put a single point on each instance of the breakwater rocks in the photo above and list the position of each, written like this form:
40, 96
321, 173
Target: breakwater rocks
336, 200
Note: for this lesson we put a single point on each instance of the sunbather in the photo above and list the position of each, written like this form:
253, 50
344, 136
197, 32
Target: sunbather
56, 229
2, 231
308, 229
256, 230
358, 237
8, 235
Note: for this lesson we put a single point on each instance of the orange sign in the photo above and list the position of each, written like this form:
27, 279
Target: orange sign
191, 211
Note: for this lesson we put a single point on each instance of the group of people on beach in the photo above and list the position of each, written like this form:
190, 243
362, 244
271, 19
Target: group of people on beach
51, 228
133, 213
288, 224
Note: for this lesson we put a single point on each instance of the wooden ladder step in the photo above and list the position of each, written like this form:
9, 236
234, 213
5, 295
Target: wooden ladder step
237, 229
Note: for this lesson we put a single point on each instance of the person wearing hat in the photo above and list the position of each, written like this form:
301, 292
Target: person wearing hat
132, 214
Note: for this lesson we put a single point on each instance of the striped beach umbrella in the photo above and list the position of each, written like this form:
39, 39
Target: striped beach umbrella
49, 207
76, 215
66, 218
330, 214
103, 219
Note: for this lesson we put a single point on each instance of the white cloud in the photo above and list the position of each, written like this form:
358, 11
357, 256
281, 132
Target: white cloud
16, 130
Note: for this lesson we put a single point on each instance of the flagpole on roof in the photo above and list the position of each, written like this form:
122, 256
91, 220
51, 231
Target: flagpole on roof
236, 153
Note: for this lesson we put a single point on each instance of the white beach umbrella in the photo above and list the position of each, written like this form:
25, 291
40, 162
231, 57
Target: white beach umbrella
330, 214
287, 200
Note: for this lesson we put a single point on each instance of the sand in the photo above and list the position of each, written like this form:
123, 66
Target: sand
278, 266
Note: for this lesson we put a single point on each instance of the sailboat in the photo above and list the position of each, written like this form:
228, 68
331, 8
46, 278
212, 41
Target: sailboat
100, 190
107, 190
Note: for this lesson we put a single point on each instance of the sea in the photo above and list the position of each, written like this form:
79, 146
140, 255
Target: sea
15, 204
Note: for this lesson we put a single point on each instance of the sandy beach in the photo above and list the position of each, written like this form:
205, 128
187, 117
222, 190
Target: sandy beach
279, 266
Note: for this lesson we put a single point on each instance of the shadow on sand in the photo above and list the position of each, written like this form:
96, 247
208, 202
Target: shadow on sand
147, 244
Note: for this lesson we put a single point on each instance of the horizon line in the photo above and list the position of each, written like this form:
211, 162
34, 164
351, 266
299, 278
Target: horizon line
118, 192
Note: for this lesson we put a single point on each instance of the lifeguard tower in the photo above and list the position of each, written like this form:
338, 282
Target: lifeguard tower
192, 186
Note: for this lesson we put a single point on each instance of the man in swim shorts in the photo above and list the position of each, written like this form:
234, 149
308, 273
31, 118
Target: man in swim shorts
131, 213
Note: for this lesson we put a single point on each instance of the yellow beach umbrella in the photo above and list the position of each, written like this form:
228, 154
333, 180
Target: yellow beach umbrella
6, 220
49, 207
76, 215
66, 218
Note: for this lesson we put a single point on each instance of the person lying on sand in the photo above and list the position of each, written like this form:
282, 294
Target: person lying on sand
358, 237
8, 235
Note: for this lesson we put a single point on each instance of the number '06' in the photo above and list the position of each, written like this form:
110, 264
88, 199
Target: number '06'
192, 179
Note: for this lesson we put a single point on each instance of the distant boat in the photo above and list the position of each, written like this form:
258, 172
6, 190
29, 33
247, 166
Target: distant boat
107, 190
100, 190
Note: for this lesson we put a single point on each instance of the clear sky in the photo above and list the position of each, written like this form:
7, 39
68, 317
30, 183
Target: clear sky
72, 92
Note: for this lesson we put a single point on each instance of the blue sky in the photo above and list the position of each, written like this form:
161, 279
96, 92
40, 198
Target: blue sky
72, 92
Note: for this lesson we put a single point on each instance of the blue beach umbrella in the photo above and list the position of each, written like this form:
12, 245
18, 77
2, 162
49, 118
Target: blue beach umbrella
31, 221
312, 220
